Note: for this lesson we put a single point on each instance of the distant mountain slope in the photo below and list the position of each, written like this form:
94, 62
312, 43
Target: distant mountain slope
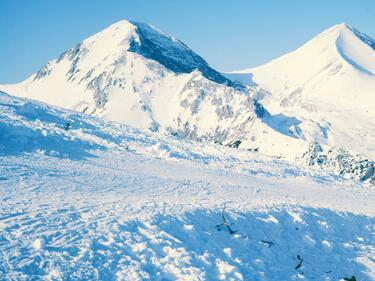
328, 84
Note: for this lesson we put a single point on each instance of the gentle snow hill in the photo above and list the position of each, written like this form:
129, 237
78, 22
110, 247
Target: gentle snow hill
98, 200
328, 85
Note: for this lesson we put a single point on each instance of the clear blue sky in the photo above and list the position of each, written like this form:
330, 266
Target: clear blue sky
230, 35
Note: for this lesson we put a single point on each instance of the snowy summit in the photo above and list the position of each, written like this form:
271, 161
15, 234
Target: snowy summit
328, 84
130, 73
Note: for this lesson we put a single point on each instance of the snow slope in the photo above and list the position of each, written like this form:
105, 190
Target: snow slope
328, 84
104, 201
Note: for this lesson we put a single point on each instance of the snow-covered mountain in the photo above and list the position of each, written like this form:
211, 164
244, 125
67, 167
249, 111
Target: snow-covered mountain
327, 86
135, 74
98, 200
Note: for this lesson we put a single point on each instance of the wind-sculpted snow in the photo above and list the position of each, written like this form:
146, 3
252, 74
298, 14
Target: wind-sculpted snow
365, 38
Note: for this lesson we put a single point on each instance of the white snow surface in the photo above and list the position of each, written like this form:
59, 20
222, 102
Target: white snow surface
328, 85
104, 201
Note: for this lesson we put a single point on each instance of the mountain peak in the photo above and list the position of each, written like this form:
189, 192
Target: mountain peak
122, 23
109, 47
339, 27
152, 43
346, 30
133, 73
335, 67
333, 32
339, 46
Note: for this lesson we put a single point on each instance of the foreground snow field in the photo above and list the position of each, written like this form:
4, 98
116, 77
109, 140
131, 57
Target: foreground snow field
105, 201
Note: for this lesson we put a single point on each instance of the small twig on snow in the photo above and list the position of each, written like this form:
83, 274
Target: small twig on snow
300, 262
350, 279
270, 243
225, 222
